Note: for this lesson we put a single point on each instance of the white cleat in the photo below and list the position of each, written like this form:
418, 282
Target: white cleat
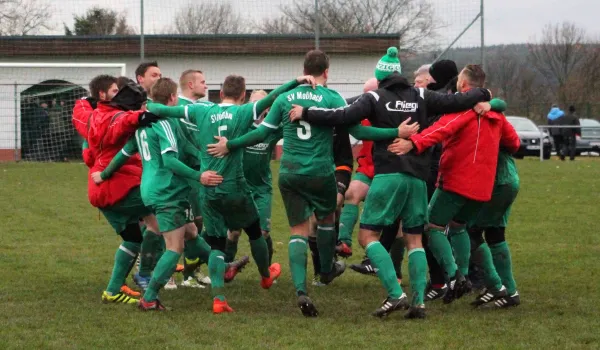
191, 283
171, 285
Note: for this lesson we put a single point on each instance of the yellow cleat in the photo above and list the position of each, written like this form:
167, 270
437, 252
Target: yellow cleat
118, 298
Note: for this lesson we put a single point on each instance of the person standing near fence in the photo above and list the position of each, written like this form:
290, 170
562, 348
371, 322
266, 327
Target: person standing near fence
555, 118
570, 135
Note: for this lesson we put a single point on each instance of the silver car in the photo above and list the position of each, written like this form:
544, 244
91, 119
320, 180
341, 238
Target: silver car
529, 134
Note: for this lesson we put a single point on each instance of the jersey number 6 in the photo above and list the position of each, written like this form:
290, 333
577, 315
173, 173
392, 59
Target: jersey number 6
143, 145
304, 131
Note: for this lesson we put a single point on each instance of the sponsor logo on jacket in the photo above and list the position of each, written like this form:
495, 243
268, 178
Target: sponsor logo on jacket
402, 106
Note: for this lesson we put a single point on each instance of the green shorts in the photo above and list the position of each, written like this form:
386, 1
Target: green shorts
304, 195
223, 211
358, 176
262, 197
195, 199
449, 206
173, 215
495, 212
128, 210
393, 196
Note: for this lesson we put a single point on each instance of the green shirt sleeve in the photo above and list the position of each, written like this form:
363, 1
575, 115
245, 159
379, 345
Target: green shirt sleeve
168, 112
269, 125
261, 105
166, 137
178, 168
120, 159
498, 105
370, 133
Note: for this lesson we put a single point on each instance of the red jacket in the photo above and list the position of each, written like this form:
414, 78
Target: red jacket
109, 130
470, 146
365, 156
81, 115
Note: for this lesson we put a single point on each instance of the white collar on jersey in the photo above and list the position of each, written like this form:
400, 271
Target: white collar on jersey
310, 85
187, 99
225, 104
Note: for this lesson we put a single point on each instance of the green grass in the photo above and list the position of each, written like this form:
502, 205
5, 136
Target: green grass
56, 256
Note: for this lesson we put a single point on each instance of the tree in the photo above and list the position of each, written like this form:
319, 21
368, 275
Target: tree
207, 18
413, 20
24, 17
100, 21
503, 71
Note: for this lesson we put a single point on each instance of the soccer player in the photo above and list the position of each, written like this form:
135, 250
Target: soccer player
146, 74
112, 123
398, 189
306, 176
470, 144
230, 204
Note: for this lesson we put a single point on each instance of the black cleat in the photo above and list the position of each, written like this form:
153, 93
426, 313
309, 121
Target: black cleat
307, 307
338, 268
456, 288
507, 301
489, 296
390, 305
343, 250
432, 294
415, 312
365, 268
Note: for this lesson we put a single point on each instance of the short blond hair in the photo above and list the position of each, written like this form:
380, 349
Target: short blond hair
255, 93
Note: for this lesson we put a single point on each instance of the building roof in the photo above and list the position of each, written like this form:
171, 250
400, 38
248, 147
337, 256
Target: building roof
161, 45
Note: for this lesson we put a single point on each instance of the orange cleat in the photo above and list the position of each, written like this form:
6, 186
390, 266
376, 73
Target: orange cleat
129, 292
220, 307
233, 268
179, 268
343, 250
274, 272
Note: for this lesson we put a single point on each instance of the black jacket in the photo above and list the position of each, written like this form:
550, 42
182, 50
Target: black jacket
572, 120
342, 150
387, 107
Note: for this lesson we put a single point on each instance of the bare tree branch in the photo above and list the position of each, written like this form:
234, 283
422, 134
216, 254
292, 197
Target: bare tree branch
207, 18
24, 17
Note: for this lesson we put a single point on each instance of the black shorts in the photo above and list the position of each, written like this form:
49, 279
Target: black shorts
342, 178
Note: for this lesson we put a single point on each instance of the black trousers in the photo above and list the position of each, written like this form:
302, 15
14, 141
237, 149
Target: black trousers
569, 147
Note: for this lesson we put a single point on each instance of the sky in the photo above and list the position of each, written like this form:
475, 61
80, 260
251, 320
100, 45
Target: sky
506, 21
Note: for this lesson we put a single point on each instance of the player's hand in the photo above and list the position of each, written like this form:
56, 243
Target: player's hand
405, 130
307, 79
147, 118
210, 178
400, 146
296, 113
482, 108
97, 178
218, 149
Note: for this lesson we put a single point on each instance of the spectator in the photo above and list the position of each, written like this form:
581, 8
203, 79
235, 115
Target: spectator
555, 118
570, 135
422, 76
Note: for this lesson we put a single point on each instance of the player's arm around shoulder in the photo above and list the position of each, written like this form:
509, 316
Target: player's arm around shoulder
340, 113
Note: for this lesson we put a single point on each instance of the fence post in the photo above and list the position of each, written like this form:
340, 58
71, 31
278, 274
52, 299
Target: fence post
16, 93
317, 25
142, 44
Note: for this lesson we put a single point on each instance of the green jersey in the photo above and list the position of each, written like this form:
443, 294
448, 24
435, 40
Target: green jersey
159, 184
307, 149
257, 160
190, 132
506, 171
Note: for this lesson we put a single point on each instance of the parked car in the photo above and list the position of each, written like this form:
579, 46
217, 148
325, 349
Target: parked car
529, 134
590, 138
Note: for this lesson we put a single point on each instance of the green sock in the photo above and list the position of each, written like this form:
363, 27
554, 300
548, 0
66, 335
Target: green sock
194, 251
124, 257
397, 254
490, 275
269, 241
260, 253
502, 262
348, 220
326, 239
230, 250
298, 258
381, 260
417, 270
216, 272
442, 251
148, 253
162, 272
461, 244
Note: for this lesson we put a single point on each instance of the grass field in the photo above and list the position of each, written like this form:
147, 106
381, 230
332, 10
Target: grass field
56, 255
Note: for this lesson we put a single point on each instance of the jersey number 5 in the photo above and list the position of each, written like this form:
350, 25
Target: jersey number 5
143, 145
221, 130
304, 131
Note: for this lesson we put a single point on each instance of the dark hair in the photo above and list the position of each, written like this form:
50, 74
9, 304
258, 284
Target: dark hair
234, 86
163, 89
122, 81
143, 67
101, 83
184, 76
315, 62
475, 75
572, 109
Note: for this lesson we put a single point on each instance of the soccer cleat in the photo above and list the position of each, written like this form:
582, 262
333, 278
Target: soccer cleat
390, 305
337, 270
306, 306
119, 298
488, 296
274, 272
220, 307
365, 268
202, 278
432, 293
171, 285
507, 301
154, 305
317, 282
129, 292
191, 282
179, 268
456, 288
234, 267
343, 250
141, 281
415, 312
